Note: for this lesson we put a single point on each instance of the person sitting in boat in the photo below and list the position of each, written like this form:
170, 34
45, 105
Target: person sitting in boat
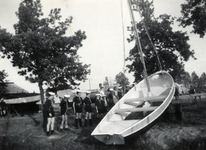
88, 108
77, 106
100, 105
49, 110
63, 111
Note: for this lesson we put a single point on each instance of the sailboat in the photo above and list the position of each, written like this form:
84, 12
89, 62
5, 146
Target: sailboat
139, 108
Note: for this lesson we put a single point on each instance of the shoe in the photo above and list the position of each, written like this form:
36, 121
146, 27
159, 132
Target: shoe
52, 132
47, 134
80, 122
85, 124
76, 123
90, 122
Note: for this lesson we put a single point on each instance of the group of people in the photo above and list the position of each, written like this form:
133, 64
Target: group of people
103, 103
77, 106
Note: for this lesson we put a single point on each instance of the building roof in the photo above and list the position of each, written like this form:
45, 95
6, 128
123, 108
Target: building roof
13, 88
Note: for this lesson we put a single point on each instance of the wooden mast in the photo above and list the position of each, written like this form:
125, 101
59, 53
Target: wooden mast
138, 44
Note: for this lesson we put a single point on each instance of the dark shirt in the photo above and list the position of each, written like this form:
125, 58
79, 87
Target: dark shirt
87, 101
100, 104
49, 107
110, 99
2, 104
78, 101
119, 94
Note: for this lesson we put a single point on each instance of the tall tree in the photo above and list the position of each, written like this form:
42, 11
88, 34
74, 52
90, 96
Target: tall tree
194, 79
194, 14
186, 79
202, 82
122, 80
40, 48
158, 39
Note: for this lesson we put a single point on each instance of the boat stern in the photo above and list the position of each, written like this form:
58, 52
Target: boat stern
115, 139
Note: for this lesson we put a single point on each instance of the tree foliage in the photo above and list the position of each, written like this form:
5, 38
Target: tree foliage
193, 81
171, 46
194, 13
40, 48
194, 78
199, 83
3, 84
202, 82
185, 79
122, 80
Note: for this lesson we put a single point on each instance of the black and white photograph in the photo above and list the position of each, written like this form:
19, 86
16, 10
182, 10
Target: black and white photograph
102, 74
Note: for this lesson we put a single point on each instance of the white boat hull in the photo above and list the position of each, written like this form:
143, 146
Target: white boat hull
123, 121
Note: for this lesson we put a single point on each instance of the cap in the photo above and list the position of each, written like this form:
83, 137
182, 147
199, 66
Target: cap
66, 96
111, 89
73, 91
78, 91
51, 93
44, 82
88, 92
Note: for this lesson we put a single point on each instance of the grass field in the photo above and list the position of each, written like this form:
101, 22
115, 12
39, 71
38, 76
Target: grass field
26, 133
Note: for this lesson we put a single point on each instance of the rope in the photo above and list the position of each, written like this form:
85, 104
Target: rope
149, 37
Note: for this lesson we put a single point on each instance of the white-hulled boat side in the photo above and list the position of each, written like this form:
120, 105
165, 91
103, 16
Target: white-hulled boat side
136, 110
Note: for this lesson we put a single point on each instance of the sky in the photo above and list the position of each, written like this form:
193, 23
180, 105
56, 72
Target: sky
105, 23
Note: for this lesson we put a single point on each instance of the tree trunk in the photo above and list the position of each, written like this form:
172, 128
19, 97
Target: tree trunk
41, 94
42, 106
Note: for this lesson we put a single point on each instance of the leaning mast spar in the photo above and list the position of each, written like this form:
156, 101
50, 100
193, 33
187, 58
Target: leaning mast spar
138, 44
